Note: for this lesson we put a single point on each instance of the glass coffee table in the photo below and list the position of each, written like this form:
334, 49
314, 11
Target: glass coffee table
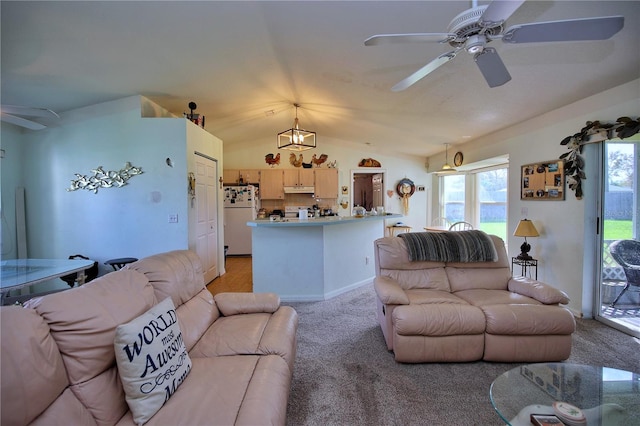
606, 396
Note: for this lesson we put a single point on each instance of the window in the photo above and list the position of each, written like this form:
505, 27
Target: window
478, 197
491, 187
453, 197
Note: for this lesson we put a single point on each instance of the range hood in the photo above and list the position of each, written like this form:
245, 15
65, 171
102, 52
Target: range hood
299, 189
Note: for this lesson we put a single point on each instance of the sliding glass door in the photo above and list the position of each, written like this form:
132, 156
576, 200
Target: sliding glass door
619, 221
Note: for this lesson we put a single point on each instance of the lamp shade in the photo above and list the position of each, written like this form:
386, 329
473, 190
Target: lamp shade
526, 229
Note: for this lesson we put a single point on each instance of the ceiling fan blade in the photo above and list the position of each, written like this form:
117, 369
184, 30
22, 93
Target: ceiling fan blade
424, 71
499, 11
492, 67
28, 111
22, 122
600, 28
409, 38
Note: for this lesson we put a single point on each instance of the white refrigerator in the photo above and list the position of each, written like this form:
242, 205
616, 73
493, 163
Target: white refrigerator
240, 206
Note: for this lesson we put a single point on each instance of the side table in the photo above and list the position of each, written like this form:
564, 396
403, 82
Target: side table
117, 264
525, 265
392, 230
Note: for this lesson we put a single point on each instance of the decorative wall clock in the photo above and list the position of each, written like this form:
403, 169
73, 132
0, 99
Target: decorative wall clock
457, 159
405, 189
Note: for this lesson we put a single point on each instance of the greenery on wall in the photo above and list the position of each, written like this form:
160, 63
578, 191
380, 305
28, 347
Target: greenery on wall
593, 131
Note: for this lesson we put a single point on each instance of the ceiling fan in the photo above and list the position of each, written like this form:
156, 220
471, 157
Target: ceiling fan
17, 115
473, 29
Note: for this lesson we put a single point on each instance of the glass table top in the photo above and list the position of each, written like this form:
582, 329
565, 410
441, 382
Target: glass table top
17, 273
605, 395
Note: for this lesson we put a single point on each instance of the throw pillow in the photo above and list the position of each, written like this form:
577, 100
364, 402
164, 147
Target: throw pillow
152, 359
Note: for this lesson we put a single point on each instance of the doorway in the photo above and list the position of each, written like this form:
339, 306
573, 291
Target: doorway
206, 214
620, 221
367, 187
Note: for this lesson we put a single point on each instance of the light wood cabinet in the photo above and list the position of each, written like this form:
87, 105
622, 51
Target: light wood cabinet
326, 183
230, 176
299, 177
250, 176
271, 184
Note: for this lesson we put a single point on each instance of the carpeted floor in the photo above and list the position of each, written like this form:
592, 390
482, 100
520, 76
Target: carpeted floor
344, 374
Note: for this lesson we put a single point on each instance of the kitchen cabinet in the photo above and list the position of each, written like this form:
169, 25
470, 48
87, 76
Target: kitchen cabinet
298, 177
326, 183
250, 176
271, 184
230, 176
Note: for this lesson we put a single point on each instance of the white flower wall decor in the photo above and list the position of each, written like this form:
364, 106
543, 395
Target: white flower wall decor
104, 179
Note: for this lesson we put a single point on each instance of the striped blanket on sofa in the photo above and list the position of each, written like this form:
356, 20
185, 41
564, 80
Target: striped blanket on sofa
451, 246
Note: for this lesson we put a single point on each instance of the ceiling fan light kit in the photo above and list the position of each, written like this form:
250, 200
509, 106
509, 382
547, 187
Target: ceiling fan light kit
296, 139
473, 29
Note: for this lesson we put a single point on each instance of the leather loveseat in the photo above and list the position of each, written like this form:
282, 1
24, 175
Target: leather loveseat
434, 311
59, 366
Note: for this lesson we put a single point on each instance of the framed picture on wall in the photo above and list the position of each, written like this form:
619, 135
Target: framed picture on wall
544, 180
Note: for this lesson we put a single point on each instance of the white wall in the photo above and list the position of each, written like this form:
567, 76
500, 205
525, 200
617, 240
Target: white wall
12, 173
250, 155
131, 221
565, 247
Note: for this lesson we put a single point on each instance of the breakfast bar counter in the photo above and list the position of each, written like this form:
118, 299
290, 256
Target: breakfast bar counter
317, 258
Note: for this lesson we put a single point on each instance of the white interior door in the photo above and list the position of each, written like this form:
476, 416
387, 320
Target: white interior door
207, 215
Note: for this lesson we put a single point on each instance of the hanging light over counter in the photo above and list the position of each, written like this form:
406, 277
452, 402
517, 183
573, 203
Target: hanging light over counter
296, 139
446, 168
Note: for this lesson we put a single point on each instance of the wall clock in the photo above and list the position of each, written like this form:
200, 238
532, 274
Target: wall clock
457, 159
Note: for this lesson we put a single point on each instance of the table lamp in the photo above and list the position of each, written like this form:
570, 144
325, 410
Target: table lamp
525, 229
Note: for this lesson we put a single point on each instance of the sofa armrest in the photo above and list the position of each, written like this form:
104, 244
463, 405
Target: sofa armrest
247, 303
389, 292
540, 291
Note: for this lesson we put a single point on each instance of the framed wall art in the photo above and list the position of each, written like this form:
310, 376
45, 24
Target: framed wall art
544, 180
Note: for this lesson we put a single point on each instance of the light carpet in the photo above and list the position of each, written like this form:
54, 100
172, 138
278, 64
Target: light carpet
344, 374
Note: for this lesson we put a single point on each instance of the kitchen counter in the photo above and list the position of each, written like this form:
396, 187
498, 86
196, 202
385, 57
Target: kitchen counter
317, 258
318, 221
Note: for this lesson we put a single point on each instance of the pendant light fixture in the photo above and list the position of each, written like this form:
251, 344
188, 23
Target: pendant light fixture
446, 168
296, 139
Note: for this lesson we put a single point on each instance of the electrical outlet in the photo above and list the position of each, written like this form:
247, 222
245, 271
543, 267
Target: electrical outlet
524, 211
173, 218
366, 260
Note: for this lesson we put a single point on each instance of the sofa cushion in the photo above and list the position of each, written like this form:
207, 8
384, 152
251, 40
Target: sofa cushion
196, 316
438, 320
177, 274
228, 390
83, 322
483, 297
152, 359
528, 320
420, 296
431, 278
392, 253
537, 290
32, 370
247, 303
474, 278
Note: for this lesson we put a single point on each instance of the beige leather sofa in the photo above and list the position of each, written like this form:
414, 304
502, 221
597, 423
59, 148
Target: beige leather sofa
58, 363
452, 312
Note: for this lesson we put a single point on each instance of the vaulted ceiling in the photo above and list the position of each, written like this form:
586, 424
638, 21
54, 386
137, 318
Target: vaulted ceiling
246, 63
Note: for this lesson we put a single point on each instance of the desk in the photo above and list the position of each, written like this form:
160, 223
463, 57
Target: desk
525, 264
605, 395
18, 273
392, 229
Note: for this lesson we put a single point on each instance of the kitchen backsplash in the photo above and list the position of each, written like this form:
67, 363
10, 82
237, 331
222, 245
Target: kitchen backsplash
299, 200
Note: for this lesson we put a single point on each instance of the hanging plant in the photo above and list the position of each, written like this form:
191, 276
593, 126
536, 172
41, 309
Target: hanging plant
594, 131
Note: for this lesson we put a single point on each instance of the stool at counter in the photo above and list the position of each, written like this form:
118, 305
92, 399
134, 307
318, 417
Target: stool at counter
119, 263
